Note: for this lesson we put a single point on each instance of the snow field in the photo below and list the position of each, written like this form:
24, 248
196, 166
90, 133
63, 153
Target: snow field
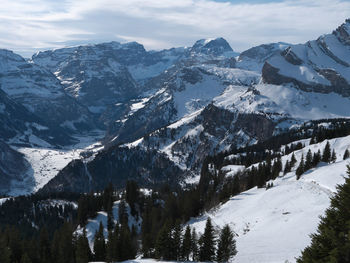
274, 225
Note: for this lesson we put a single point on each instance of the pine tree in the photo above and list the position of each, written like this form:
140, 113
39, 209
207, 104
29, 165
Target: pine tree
176, 240
122, 213
83, 252
326, 155
287, 168
110, 220
25, 258
44, 246
293, 160
207, 248
316, 158
186, 244
308, 162
331, 243
333, 156
194, 245
66, 248
301, 167
312, 141
346, 154
164, 242
113, 247
5, 252
127, 246
276, 168
226, 245
99, 245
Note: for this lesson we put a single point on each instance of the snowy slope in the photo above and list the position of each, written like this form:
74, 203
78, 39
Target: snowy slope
280, 101
274, 225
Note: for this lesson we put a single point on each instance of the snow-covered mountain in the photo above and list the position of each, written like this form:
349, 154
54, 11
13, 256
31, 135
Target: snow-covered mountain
255, 57
237, 106
41, 93
183, 103
321, 65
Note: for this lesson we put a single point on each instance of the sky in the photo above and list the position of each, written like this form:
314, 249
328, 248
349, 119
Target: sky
28, 26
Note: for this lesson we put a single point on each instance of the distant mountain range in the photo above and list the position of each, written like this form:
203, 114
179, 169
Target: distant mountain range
174, 106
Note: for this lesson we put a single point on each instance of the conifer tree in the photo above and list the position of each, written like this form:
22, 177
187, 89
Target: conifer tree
113, 247
194, 245
66, 248
83, 252
316, 158
226, 245
25, 258
276, 168
287, 168
176, 240
312, 140
331, 242
164, 242
186, 244
99, 245
293, 160
127, 246
110, 220
5, 252
346, 154
207, 247
333, 156
301, 167
308, 161
122, 213
326, 155
44, 246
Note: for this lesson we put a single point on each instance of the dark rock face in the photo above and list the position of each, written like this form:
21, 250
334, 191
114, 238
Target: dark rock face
13, 167
116, 165
291, 57
256, 126
343, 32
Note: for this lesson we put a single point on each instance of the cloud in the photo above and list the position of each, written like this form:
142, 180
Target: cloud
30, 25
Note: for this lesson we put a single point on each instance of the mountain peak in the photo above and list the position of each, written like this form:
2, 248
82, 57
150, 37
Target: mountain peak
343, 32
217, 46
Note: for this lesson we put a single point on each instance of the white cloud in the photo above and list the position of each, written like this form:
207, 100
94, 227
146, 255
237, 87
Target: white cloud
30, 25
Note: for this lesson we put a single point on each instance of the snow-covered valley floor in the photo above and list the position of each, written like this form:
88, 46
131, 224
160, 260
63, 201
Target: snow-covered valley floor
46, 162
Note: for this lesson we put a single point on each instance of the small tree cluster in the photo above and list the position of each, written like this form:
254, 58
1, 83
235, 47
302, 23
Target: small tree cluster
172, 245
312, 160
